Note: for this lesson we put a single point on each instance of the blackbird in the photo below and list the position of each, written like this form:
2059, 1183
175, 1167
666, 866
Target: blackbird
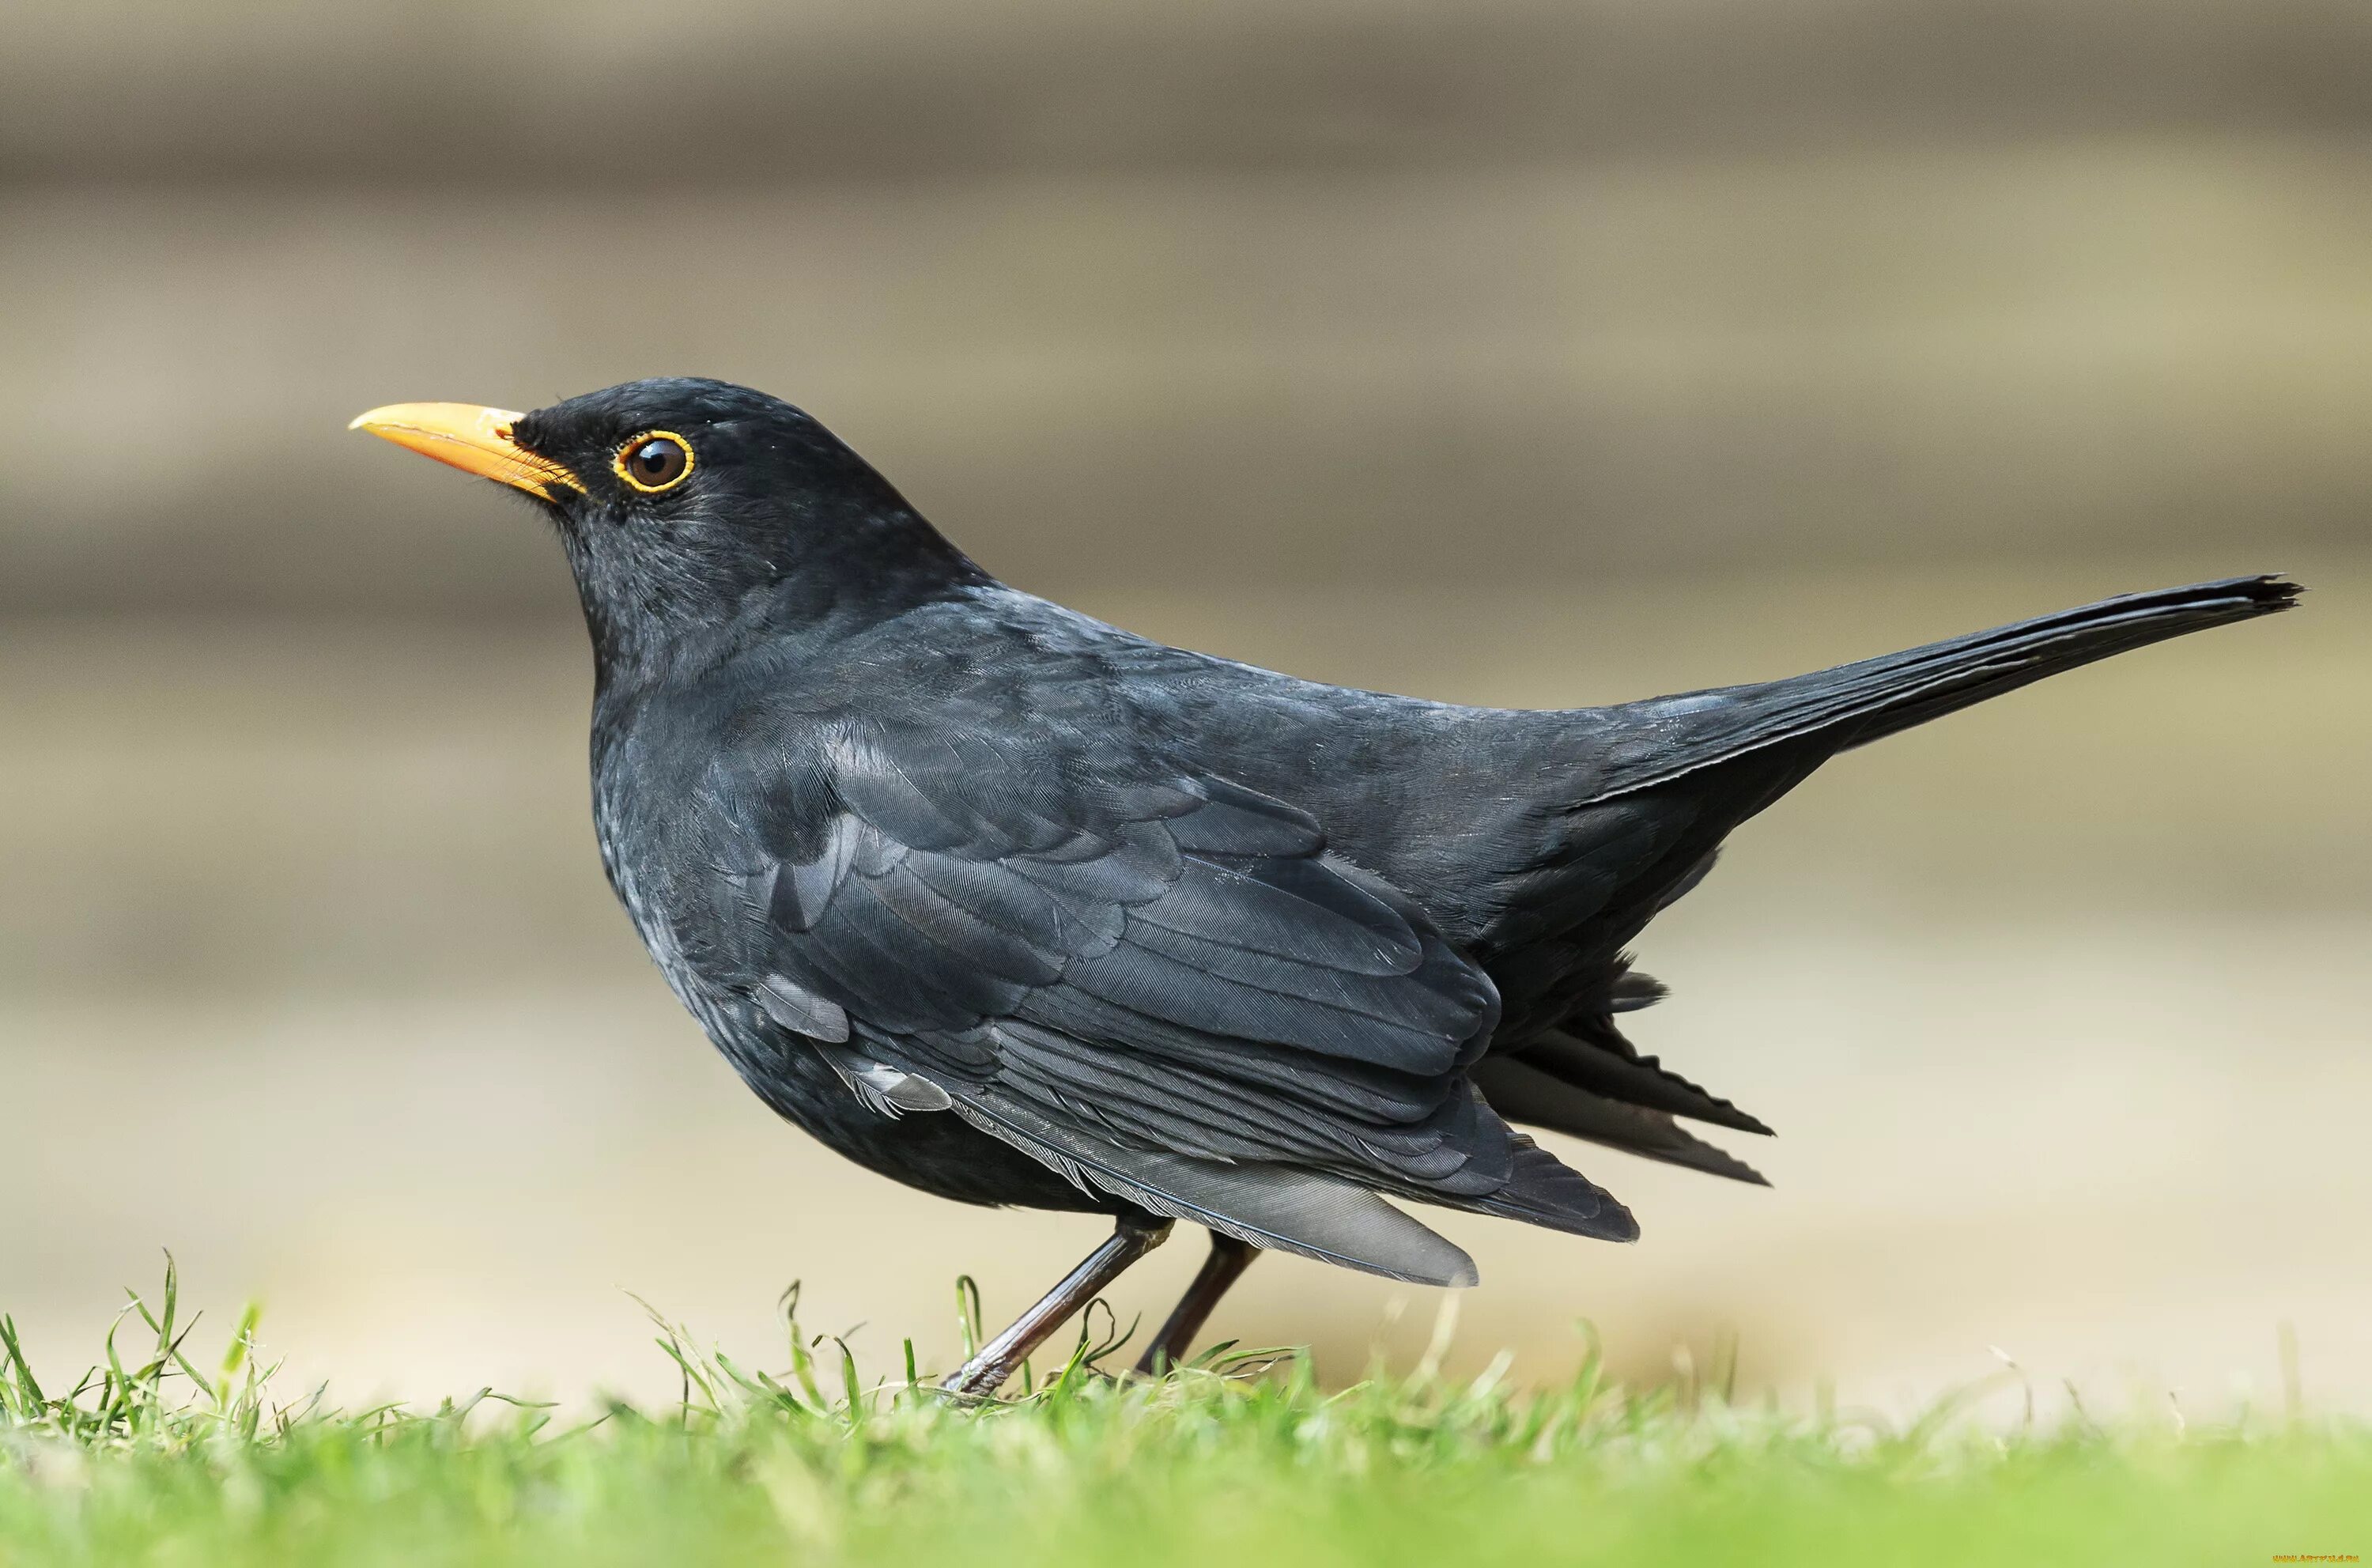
1017, 908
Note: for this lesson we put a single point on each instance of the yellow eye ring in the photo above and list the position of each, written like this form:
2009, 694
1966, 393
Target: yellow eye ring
654, 462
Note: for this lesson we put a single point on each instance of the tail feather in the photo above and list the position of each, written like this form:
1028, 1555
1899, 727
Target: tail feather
1856, 704
1592, 1055
1523, 1092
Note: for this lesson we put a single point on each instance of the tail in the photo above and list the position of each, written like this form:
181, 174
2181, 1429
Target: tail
1857, 703
1627, 854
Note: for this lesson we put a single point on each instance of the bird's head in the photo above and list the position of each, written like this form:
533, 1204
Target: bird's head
688, 506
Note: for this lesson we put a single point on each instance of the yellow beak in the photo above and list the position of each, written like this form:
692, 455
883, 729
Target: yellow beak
475, 440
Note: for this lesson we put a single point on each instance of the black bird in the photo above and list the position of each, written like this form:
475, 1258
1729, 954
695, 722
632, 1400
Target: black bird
1017, 908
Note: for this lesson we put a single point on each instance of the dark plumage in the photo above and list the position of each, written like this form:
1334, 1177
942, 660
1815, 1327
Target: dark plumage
1017, 908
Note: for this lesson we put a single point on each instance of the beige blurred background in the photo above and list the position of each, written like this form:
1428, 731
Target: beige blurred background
1534, 354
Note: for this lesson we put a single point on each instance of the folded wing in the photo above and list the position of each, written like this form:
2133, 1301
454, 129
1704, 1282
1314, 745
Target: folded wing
1164, 986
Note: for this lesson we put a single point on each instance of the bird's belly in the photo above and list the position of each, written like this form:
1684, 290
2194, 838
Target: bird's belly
935, 1151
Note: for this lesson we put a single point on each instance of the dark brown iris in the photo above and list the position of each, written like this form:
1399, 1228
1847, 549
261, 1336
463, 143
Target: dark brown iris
655, 462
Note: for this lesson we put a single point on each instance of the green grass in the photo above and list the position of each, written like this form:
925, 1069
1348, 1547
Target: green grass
1241, 1461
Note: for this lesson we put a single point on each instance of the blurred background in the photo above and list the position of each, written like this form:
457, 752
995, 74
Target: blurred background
1524, 352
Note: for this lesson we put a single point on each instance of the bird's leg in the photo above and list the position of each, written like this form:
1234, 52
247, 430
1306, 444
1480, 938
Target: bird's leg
1225, 1265
1136, 1235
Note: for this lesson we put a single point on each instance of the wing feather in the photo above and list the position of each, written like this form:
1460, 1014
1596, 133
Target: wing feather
1164, 985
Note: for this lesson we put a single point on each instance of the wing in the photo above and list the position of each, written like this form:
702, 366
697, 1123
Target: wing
1163, 985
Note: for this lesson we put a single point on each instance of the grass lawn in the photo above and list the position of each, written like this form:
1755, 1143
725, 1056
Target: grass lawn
157, 1459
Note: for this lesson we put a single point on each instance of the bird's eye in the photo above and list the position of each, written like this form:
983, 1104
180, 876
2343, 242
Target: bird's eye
654, 462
